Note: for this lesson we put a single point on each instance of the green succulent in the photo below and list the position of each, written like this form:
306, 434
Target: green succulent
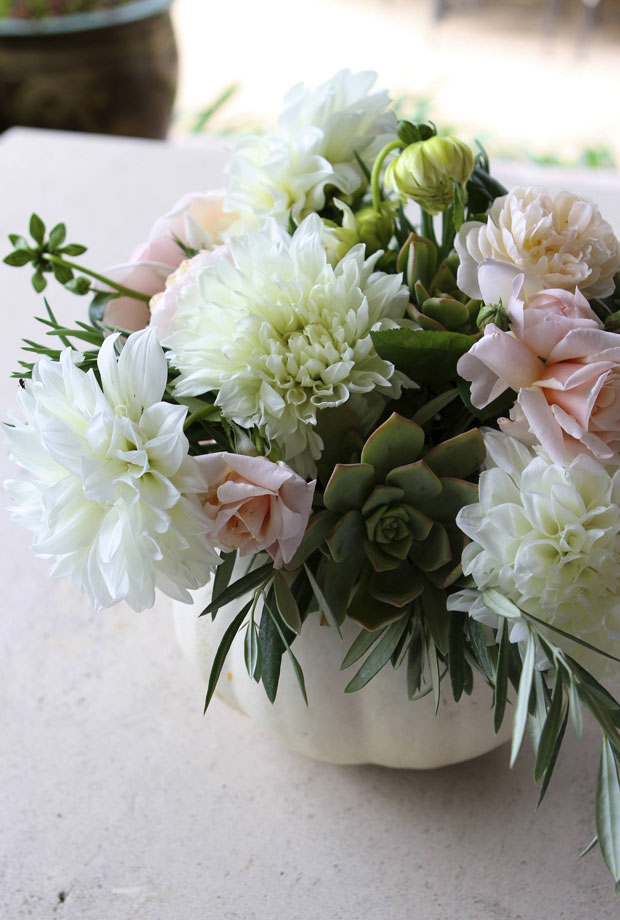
391, 520
439, 304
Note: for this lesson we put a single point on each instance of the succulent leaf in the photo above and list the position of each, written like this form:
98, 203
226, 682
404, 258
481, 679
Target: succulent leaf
459, 456
381, 495
338, 580
367, 610
396, 442
346, 536
452, 314
317, 532
349, 486
380, 560
434, 551
454, 495
417, 481
399, 587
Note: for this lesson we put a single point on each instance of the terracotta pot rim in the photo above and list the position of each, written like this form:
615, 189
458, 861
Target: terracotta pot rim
81, 22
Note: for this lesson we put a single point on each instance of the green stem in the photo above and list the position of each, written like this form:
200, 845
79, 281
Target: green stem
376, 172
128, 292
207, 410
428, 228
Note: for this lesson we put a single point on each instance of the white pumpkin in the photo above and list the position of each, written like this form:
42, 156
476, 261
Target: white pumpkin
377, 724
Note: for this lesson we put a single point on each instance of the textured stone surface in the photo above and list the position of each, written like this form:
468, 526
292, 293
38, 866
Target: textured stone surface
121, 802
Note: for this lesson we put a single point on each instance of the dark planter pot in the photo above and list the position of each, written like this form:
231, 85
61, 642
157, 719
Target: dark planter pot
109, 72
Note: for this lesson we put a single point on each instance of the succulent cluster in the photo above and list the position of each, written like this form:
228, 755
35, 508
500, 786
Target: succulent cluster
439, 304
391, 519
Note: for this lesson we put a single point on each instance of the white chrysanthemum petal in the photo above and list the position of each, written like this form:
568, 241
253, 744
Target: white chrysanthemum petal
548, 537
280, 334
115, 493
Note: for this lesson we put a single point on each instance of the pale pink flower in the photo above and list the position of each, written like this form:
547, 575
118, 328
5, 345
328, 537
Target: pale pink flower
566, 370
255, 505
198, 221
164, 304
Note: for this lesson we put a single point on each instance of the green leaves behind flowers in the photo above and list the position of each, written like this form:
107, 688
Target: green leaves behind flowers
47, 256
425, 356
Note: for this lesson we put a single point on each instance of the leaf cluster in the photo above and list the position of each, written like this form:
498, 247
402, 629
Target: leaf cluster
47, 255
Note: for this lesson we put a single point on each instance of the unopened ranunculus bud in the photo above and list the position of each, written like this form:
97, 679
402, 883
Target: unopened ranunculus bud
375, 227
425, 171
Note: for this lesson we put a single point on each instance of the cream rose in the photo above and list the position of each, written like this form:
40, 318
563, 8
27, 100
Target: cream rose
557, 241
255, 505
163, 305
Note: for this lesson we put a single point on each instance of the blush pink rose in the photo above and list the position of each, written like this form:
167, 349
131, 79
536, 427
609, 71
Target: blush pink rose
566, 370
255, 505
164, 304
196, 220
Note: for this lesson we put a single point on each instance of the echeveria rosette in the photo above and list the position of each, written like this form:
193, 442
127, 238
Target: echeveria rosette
395, 536
281, 335
547, 537
114, 495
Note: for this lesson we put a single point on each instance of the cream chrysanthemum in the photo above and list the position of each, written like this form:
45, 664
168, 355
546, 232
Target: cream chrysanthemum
319, 137
280, 334
557, 241
114, 494
548, 538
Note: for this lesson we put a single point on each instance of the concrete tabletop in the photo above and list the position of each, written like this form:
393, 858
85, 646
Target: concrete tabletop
121, 802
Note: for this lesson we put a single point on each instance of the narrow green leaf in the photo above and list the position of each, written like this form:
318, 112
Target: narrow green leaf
456, 652
607, 809
241, 586
315, 536
523, 698
299, 674
553, 758
223, 573
415, 666
589, 847
222, 652
272, 649
576, 713
379, 656
251, 649
287, 605
362, 642
501, 680
433, 664
37, 229
566, 635
56, 237
479, 646
325, 608
433, 406
551, 730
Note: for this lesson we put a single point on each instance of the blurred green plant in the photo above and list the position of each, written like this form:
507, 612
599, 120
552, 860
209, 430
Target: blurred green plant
40, 9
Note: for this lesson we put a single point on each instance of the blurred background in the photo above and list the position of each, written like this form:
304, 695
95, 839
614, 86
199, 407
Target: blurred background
531, 79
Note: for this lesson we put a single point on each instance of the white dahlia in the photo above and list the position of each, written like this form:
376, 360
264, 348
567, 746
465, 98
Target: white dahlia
319, 136
114, 494
558, 241
280, 334
548, 538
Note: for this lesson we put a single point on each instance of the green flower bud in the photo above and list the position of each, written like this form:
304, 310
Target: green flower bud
425, 171
374, 227
492, 313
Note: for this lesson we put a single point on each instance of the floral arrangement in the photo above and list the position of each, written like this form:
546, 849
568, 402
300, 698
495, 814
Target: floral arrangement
389, 383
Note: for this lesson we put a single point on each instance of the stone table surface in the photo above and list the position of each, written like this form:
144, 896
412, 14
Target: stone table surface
121, 802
